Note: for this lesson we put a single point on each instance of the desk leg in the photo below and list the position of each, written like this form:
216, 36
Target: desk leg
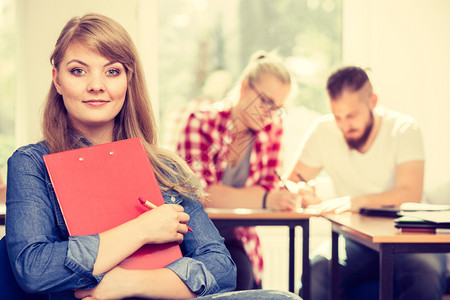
306, 265
291, 258
386, 272
333, 271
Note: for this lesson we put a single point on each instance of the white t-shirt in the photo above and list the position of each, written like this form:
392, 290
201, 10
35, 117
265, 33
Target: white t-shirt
353, 173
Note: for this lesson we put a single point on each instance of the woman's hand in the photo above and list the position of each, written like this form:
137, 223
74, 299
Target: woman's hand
282, 200
166, 223
308, 197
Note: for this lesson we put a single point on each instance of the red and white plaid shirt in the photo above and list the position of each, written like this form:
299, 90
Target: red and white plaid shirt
205, 145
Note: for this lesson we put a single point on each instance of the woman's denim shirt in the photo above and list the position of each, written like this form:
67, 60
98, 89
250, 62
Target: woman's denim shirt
45, 259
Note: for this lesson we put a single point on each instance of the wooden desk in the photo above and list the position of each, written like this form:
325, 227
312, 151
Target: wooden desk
380, 234
247, 217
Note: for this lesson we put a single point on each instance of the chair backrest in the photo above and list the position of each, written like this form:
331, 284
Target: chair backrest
9, 289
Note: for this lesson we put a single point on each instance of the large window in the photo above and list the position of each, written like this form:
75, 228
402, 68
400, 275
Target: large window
7, 81
204, 46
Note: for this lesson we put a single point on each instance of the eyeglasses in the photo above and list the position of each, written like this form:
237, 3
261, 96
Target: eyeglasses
268, 103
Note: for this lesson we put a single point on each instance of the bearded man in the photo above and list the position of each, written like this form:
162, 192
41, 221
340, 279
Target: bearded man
374, 157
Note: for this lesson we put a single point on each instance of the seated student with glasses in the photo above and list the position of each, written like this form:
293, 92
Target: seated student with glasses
234, 148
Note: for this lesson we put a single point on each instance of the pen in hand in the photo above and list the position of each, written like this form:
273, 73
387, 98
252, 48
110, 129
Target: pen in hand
311, 184
290, 186
150, 205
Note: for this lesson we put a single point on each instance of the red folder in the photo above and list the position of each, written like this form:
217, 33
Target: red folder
98, 188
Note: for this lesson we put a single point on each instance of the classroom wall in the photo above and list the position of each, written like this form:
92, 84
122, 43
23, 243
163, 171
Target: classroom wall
405, 42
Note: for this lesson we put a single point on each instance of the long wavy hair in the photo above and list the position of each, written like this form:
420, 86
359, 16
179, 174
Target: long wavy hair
136, 118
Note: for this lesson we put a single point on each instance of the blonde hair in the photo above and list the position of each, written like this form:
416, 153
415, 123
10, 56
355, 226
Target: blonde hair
262, 62
136, 118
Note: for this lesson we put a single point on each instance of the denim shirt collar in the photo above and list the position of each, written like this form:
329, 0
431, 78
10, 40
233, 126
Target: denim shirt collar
81, 138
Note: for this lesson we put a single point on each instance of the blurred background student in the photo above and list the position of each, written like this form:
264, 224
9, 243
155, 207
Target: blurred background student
234, 148
374, 157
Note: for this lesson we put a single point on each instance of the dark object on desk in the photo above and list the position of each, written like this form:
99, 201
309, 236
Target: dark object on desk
410, 224
386, 211
397, 211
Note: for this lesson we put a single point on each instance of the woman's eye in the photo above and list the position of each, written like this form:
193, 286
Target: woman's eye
77, 71
113, 72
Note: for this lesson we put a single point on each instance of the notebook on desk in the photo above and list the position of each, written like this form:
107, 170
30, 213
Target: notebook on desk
98, 188
397, 211
412, 223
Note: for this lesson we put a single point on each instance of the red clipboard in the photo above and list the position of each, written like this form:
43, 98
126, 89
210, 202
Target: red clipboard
98, 188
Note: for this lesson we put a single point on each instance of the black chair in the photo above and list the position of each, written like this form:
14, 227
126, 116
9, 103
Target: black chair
9, 289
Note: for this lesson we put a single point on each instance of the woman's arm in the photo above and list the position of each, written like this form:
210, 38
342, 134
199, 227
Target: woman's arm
43, 256
163, 224
222, 196
205, 268
156, 284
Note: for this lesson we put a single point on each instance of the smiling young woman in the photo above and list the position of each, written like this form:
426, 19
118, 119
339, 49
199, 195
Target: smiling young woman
98, 95
93, 89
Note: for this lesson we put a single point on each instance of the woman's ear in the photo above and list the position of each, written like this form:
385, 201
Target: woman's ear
373, 100
55, 79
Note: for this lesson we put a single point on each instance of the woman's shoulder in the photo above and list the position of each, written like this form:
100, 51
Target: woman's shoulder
35, 151
29, 156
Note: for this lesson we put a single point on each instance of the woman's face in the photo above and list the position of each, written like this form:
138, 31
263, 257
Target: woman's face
260, 105
93, 88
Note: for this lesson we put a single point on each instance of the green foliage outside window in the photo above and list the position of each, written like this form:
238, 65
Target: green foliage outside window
197, 37
7, 81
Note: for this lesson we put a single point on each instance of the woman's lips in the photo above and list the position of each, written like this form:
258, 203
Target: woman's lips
96, 102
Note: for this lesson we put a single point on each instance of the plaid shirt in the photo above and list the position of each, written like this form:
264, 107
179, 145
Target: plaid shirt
205, 145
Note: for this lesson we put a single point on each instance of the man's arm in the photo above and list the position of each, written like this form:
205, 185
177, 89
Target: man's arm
303, 172
408, 188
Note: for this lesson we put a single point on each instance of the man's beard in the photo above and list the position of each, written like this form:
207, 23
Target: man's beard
359, 142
